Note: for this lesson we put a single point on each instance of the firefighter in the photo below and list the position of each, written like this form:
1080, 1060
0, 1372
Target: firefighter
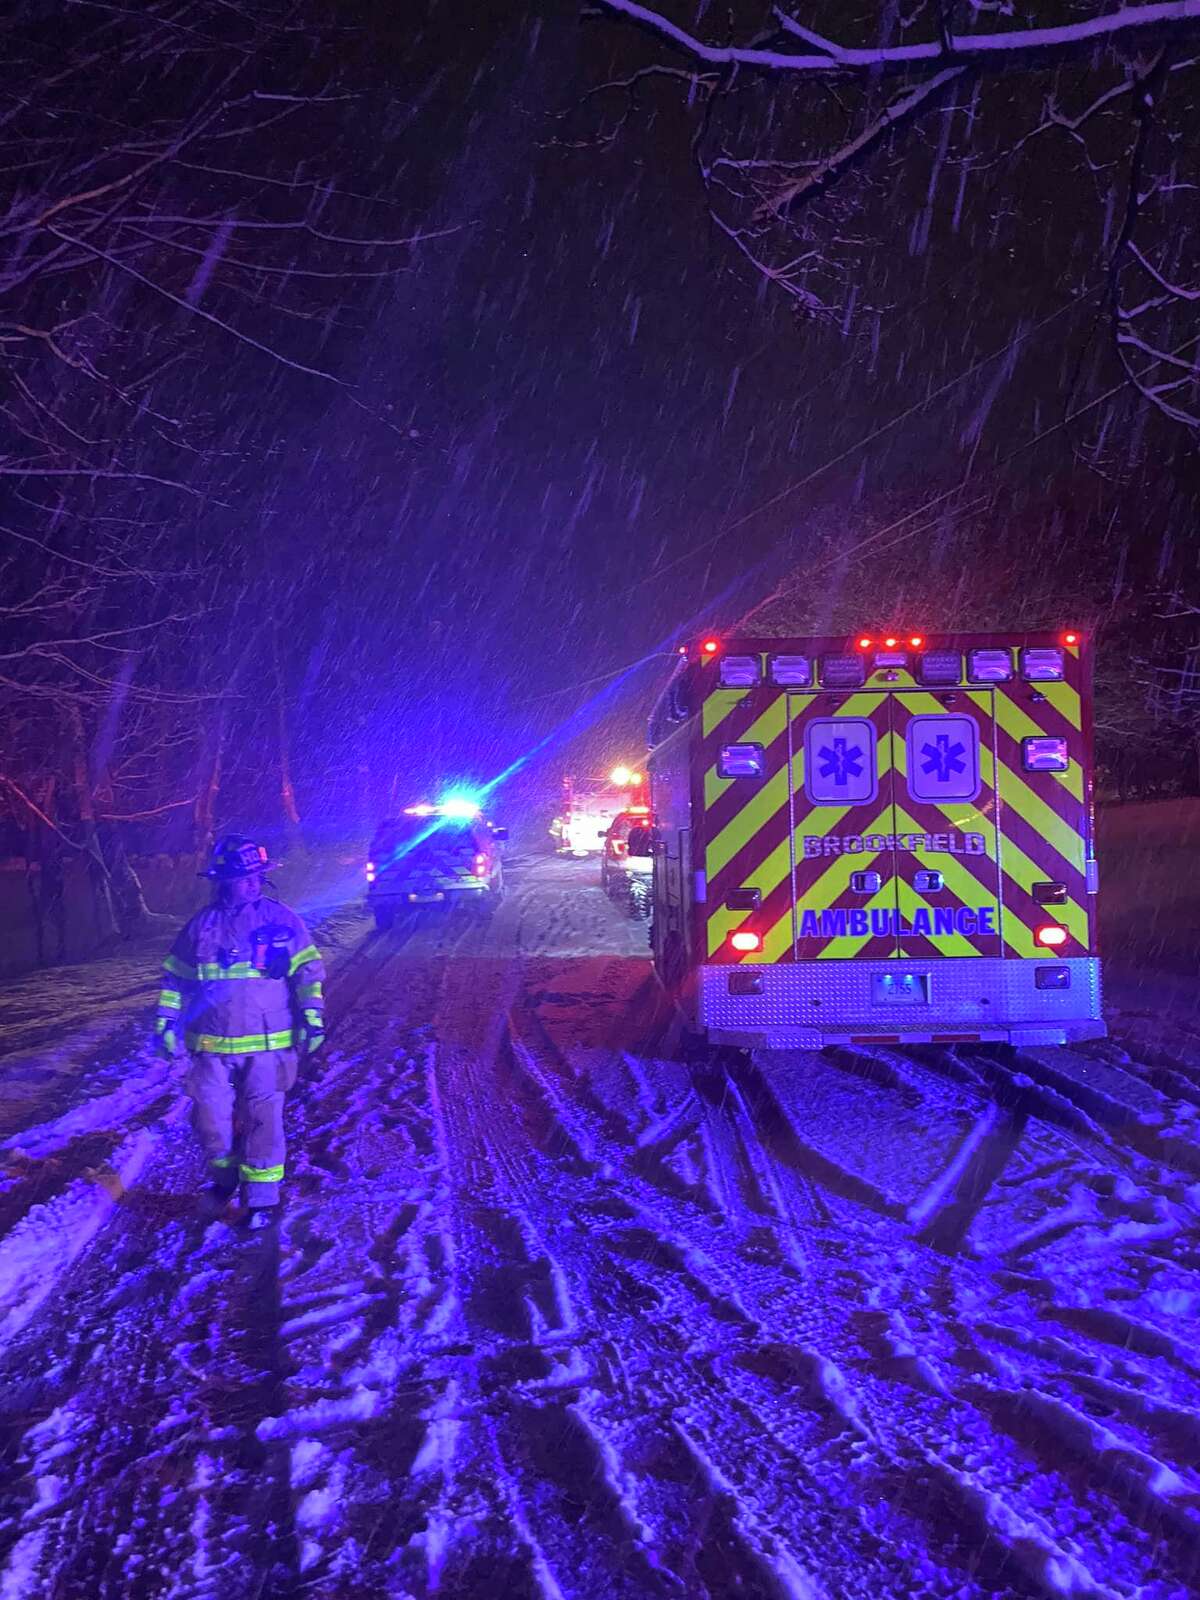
242, 995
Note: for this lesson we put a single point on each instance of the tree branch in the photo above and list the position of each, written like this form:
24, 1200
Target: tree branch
993, 50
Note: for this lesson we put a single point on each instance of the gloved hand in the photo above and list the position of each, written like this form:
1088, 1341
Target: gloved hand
168, 1043
312, 1032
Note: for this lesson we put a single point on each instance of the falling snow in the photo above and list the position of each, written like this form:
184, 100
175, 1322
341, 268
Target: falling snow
387, 394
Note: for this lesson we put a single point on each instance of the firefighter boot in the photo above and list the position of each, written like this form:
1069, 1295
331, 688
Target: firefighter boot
224, 1180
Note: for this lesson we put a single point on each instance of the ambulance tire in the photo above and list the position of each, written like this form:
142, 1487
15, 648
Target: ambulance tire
385, 916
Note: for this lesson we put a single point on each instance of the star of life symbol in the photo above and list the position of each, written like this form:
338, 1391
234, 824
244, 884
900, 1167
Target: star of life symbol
944, 759
841, 761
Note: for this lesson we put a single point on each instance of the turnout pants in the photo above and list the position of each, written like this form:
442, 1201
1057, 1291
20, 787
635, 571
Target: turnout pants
237, 1113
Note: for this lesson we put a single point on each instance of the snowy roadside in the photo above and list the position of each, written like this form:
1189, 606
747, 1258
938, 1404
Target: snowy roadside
552, 1312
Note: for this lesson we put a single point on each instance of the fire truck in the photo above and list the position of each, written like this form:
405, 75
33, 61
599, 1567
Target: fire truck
589, 805
878, 839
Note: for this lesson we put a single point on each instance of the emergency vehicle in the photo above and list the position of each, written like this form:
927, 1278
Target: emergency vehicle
434, 857
589, 806
626, 861
878, 839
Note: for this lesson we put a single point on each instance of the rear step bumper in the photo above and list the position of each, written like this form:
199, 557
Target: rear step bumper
453, 889
807, 1004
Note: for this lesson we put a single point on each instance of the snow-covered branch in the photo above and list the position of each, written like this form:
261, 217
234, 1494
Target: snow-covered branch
887, 123
818, 143
1006, 48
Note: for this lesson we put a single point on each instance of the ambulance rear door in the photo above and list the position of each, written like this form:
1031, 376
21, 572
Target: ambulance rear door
844, 867
945, 817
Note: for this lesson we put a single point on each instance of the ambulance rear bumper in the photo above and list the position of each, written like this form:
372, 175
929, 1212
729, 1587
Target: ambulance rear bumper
803, 1005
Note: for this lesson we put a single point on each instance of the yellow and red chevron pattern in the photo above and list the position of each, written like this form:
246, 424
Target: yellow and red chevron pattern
1019, 830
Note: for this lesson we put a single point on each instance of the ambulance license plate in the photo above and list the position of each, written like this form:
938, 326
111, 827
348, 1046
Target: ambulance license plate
911, 987
425, 899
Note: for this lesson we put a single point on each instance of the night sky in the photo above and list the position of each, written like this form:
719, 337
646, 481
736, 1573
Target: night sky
578, 426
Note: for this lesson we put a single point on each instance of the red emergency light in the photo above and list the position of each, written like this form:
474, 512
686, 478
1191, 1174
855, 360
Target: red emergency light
745, 941
866, 642
1051, 934
711, 646
1070, 638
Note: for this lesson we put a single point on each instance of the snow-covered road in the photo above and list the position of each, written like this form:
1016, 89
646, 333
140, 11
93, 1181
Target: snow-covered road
553, 1314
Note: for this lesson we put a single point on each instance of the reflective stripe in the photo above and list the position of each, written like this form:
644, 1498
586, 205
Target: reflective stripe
245, 1044
310, 991
261, 1174
220, 1161
207, 971
161, 1024
303, 957
170, 1000
314, 1019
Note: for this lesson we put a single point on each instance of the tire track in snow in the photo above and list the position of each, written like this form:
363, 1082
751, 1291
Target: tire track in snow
537, 1333
968, 1558
139, 1390
520, 1293
364, 1267
641, 1239
165, 1353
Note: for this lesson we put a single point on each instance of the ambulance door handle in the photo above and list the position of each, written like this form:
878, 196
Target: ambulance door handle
866, 882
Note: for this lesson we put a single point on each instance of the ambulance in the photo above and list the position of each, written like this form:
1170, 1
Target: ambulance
881, 839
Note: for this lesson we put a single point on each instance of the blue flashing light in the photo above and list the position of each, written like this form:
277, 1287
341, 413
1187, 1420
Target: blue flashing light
459, 806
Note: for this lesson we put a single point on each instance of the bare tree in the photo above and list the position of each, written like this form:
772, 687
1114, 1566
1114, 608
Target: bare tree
821, 126
180, 223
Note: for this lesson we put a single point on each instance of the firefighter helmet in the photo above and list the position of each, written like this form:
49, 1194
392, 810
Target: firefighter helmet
235, 857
